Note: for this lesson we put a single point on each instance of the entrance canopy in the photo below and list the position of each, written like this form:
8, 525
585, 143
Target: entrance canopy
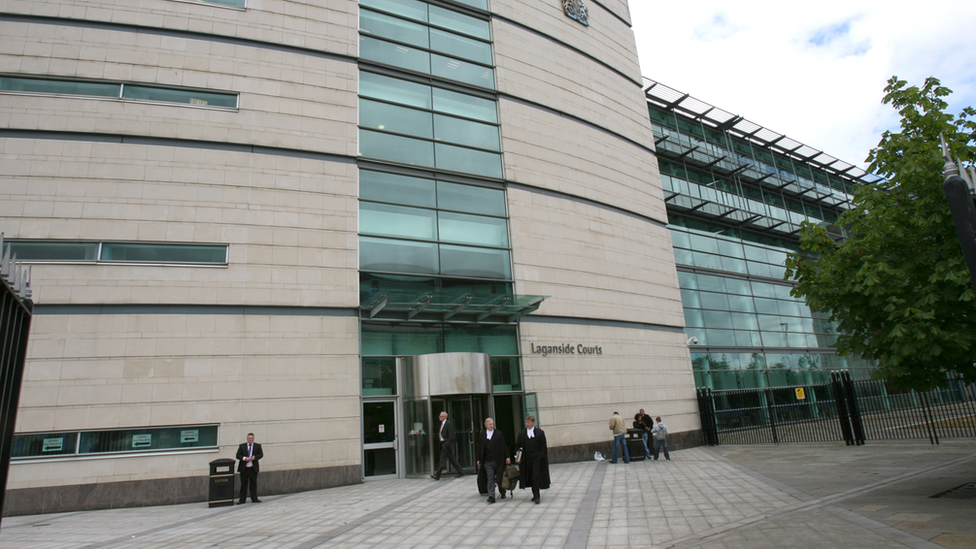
447, 306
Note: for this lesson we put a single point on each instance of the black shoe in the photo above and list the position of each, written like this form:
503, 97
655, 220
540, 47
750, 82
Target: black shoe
491, 499
536, 500
435, 477
502, 496
241, 502
255, 501
459, 475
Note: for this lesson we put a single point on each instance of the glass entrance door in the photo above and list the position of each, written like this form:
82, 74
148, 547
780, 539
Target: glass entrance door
379, 438
467, 413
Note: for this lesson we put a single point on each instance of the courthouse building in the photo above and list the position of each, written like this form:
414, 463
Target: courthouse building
323, 222
326, 221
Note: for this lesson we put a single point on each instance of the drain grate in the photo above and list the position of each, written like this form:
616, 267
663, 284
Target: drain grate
966, 491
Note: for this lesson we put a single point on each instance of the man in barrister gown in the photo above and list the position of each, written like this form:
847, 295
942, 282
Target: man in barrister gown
534, 465
491, 453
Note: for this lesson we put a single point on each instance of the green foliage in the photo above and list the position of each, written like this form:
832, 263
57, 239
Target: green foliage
898, 286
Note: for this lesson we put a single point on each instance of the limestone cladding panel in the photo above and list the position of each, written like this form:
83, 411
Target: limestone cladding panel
291, 380
324, 25
638, 368
606, 38
290, 223
546, 150
593, 262
620, 8
288, 100
533, 68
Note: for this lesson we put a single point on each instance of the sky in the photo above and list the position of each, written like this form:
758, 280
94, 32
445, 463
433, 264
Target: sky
813, 71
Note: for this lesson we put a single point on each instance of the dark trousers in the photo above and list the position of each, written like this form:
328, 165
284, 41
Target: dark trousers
658, 444
447, 454
249, 477
494, 475
533, 468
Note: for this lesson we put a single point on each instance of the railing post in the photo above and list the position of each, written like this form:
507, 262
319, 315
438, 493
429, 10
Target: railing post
841, 402
857, 426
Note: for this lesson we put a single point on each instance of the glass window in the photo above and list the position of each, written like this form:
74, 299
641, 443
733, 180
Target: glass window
44, 444
142, 440
689, 298
66, 87
401, 189
163, 253
394, 54
451, 102
505, 374
395, 148
693, 318
734, 265
741, 321
491, 340
379, 376
687, 280
466, 132
704, 244
459, 159
401, 340
407, 8
769, 306
394, 90
764, 290
380, 254
717, 319
393, 28
53, 251
711, 300
401, 221
462, 71
747, 339
680, 239
189, 97
738, 286
465, 24
235, 3
473, 229
684, 257
475, 262
721, 337
469, 198
711, 283
460, 46
391, 118
480, 4
741, 303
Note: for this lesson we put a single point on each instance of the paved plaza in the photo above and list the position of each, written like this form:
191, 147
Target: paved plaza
809, 495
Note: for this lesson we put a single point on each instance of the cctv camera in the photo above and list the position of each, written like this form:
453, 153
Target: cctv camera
692, 341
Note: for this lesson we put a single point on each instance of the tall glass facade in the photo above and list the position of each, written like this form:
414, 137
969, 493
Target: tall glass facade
736, 195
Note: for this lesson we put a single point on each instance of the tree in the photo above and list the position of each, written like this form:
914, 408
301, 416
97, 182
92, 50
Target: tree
898, 286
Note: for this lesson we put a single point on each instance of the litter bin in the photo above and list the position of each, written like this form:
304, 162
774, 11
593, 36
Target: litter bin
635, 444
221, 482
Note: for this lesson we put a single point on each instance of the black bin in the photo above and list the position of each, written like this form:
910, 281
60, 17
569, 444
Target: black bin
221, 482
635, 444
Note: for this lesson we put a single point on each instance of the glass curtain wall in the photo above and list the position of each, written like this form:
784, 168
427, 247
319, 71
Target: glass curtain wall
735, 209
432, 213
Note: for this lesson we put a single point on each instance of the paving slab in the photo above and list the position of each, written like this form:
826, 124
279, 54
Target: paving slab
811, 495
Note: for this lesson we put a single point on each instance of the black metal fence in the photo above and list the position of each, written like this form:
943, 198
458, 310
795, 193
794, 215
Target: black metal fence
841, 410
15, 317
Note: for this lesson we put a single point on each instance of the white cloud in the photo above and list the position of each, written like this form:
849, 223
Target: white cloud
815, 72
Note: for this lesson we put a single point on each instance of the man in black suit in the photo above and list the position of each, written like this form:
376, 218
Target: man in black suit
534, 465
249, 455
492, 455
446, 434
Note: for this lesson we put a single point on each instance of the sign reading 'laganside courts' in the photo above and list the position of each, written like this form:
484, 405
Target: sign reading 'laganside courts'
566, 349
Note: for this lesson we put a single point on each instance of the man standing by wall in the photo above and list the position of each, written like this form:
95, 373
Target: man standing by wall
492, 452
446, 434
619, 429
644, 422
249, 455
660, 433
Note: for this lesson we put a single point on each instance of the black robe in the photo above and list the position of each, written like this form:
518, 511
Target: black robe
541, 453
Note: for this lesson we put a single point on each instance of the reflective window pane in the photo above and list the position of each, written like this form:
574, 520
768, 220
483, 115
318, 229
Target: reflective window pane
473, 229
401, 221
475, 262
53, 251
469, 198
163, 253
394, 90
399, 256
451, 102
459, 22
460, 46
407, 8
396, 148
190, 97
480, 4
466, 132
394, 54
711, 300
392, 118
401, 189
384, 26
459, 159
66, 87
461, 71
379, 376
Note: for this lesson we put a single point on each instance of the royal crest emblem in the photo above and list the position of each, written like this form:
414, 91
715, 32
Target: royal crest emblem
576, 10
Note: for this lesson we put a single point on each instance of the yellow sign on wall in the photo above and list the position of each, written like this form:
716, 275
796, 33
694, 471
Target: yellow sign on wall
800, 393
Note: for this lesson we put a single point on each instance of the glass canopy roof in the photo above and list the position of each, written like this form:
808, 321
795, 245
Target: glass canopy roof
445, 306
